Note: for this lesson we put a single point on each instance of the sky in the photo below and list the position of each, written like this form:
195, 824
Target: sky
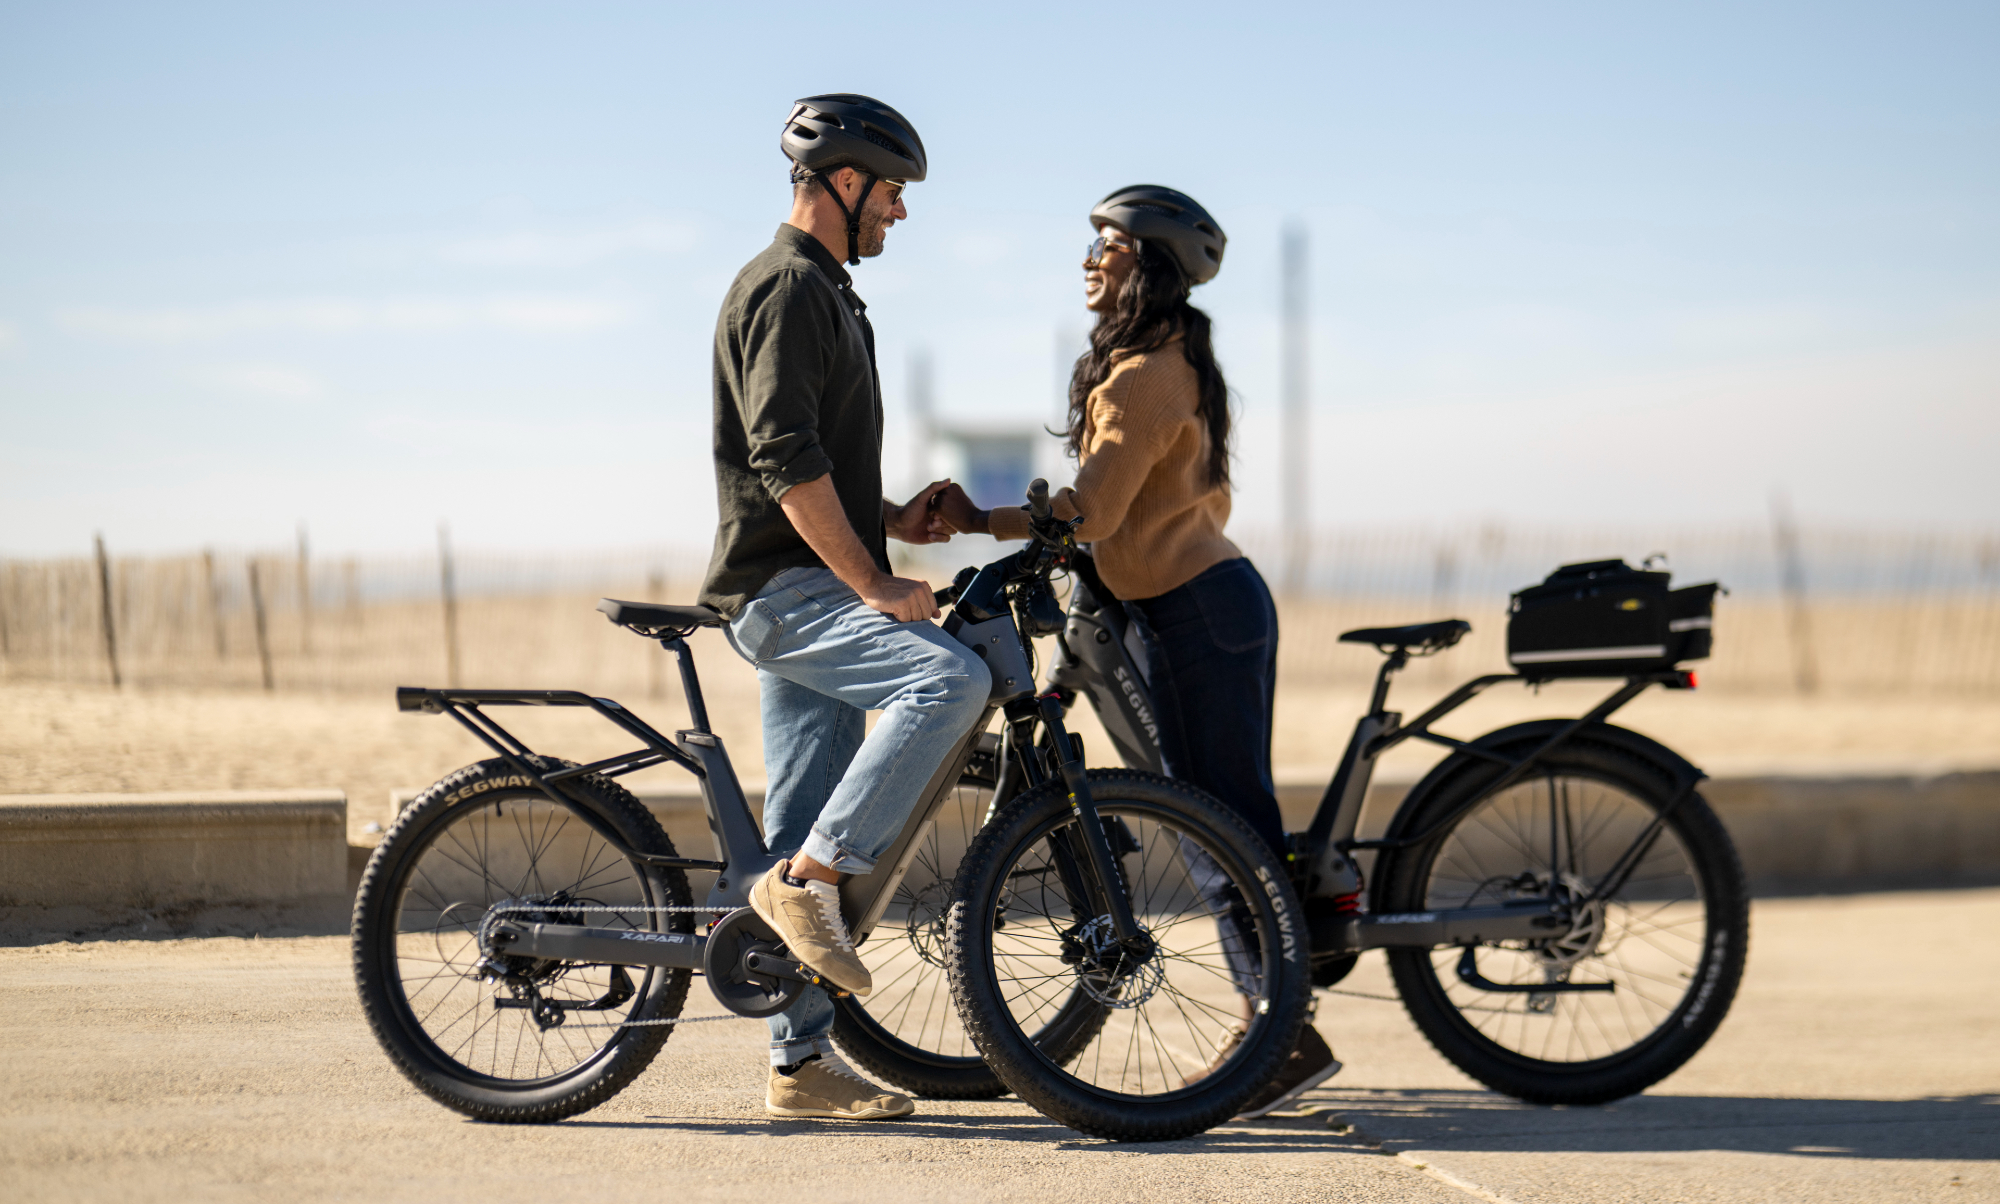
369, 268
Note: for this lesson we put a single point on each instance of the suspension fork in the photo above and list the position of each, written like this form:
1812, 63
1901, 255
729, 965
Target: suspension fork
1109, 882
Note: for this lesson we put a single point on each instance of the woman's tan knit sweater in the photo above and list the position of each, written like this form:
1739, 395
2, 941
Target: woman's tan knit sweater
1153, 518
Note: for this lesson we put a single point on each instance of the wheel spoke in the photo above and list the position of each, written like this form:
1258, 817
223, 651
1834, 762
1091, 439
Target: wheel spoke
1551, 834
513, 845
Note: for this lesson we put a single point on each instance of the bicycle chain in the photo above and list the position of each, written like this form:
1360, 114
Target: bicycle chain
716, 911
652, 1023
601, 907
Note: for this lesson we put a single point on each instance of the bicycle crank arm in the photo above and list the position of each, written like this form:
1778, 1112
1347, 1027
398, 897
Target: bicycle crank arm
1528, 920
608, 946
772, 966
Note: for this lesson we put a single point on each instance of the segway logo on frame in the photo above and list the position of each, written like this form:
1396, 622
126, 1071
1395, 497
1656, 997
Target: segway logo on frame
484, 785
1143, 712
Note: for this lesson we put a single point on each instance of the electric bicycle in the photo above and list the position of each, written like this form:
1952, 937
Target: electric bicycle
1565, 917
525, 939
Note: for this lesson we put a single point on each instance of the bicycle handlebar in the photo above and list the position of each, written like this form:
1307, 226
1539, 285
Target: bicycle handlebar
1038, 498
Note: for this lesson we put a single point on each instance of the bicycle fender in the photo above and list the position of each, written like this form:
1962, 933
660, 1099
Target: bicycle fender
1532, 734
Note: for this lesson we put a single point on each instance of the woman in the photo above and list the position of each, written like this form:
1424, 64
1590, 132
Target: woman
1149, 427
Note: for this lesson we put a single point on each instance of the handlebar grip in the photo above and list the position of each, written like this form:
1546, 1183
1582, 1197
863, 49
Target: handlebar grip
1038, 498
945, 596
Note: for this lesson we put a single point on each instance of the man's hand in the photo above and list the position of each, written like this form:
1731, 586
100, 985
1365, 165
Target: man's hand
959, 514
814, 509
900, 598
918, 522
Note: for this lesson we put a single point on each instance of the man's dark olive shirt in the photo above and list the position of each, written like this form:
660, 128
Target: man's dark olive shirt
797, 397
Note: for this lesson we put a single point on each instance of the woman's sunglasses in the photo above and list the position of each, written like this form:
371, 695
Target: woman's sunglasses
1095, 255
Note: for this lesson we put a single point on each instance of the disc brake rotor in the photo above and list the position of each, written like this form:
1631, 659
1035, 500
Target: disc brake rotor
1586, 930
925, 927
1109, 973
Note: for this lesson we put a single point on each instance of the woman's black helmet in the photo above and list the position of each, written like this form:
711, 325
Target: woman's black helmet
846, 130
843, 129
1172, 219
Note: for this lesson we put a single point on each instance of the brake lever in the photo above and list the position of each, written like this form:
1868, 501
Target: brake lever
1056, 532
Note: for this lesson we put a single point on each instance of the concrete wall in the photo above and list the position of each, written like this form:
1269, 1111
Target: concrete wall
1810, 835
1813, 835
111, 852
1796, 835
78, 862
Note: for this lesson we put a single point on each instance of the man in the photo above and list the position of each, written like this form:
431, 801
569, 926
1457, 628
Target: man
801, 571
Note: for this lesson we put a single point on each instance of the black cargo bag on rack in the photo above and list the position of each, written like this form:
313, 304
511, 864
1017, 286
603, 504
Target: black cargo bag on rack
1607, 619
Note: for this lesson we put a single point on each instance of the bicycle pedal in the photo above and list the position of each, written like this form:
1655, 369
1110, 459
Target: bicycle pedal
806, 972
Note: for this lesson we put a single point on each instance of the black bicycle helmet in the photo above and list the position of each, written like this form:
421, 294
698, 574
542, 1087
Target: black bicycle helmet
843, 129
1173, 219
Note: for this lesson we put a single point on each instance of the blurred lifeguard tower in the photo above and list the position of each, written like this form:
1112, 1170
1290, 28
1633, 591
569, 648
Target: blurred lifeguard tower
993, 461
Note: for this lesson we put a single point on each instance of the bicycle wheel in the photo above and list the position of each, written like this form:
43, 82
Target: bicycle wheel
514, 1038
1219, 925
1671, 941
907, 1030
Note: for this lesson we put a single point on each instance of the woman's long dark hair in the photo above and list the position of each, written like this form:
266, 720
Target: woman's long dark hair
1152, 308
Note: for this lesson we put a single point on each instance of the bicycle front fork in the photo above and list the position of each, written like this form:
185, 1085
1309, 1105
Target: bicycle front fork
1092, 880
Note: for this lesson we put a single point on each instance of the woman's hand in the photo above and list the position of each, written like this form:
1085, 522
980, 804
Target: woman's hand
918, 521
957, 510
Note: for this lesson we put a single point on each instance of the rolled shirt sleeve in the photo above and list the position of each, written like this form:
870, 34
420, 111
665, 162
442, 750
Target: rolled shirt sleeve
784, 341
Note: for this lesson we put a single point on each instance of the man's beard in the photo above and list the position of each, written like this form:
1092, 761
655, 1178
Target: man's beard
874, 227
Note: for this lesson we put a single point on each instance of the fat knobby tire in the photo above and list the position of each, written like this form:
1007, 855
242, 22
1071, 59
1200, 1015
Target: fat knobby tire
933, 1075
374, 945
1028, 1071
1724, 948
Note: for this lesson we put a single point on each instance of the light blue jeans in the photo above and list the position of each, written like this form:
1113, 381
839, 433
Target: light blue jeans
824, 660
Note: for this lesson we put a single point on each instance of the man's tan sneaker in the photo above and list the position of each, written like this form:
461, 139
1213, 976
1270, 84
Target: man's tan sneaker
1310, 1064
807, 918
826, 1087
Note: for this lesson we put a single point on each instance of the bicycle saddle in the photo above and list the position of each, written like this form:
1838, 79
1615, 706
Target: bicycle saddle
646, 618
1422, 637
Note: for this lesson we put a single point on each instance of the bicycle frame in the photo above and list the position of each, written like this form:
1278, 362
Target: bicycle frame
741, 856
1101, 658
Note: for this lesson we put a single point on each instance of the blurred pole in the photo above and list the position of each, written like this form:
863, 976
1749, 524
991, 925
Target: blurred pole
1292, 388
263, 630
305, 595
1444, 595
1068, 349
448, 586
922, 415
214, 600
104, 606
656, 666
1792, 578
350, 581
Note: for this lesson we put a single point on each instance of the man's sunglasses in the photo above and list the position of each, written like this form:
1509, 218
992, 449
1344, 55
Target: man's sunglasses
1095, 255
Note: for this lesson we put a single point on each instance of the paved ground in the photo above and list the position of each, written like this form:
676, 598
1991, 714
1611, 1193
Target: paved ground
1862, 1063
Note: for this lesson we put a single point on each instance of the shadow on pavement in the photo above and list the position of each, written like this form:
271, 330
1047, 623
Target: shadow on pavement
1958, 1128
1271, 1134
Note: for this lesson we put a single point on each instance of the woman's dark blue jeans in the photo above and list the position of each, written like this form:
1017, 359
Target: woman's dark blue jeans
1212, 647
